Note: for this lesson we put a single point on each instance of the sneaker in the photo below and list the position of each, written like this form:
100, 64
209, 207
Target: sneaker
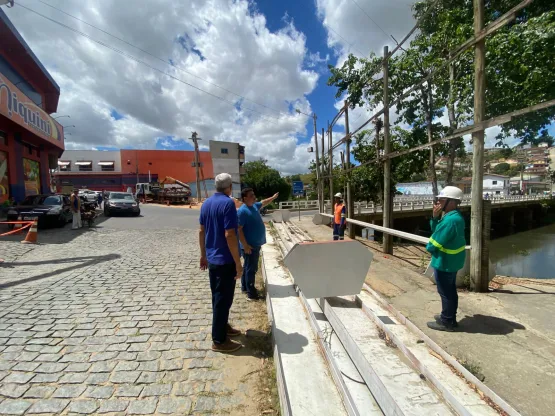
253, 298
232, 332
440, 326
227, 346
438, 320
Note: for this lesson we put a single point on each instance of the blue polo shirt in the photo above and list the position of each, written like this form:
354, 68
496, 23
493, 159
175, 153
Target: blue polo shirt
217, 214
252, 223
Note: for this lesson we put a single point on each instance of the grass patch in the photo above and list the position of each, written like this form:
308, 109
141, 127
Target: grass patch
474, 369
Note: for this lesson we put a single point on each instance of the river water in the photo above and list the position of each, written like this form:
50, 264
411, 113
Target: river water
526, 254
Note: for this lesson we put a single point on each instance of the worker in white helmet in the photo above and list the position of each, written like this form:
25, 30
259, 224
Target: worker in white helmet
447, 247
339, 222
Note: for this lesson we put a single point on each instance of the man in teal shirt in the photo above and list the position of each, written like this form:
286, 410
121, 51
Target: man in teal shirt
252, 236
447, 247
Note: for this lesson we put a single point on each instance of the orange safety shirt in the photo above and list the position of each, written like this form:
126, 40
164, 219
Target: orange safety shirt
339, 214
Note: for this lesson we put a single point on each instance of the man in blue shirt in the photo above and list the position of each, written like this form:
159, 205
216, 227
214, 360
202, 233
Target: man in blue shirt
252, 234
219, 253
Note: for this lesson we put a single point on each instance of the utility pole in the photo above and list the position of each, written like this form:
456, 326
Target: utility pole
387, 199
195, 140
137, 166
350, 202
477, 275
330, 159
323, 170
318, 180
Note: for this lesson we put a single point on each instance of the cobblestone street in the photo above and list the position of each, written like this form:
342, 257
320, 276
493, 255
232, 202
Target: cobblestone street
109, 321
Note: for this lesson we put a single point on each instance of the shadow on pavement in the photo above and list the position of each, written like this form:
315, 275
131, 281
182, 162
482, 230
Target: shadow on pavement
512, 292
93, 260
488, 325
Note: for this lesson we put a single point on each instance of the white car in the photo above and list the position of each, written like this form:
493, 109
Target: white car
90, 196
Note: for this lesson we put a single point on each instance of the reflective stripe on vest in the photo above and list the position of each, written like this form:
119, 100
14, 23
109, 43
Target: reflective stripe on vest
339, 213
446, 250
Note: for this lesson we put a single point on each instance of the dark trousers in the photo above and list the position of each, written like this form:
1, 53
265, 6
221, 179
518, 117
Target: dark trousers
338, 232
222, 285
447, 289
250, 267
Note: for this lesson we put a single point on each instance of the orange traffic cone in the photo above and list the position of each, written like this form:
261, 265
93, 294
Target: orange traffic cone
32, 235
17, 226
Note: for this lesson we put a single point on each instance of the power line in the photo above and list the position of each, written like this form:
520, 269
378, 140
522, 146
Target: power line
158, 58
373, 21
125, 54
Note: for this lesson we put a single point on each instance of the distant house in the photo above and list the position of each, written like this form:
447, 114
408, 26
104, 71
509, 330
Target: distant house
496, 184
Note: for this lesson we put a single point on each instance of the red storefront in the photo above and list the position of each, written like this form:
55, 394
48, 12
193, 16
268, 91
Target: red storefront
30, 140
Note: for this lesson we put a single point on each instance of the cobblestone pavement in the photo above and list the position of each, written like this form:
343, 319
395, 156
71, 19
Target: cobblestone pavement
112, 322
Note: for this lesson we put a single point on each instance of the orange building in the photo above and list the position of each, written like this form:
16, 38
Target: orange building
178, 164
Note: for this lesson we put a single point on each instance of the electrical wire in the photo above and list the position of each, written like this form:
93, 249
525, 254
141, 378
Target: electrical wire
373, 21
158, 58
234, 104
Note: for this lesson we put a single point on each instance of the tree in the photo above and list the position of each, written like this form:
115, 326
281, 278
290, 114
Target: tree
502, 168
265, 181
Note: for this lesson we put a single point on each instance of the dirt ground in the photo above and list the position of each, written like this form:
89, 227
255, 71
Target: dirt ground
506, 336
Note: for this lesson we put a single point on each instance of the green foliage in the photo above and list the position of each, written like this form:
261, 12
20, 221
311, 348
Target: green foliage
265, 181
502, 168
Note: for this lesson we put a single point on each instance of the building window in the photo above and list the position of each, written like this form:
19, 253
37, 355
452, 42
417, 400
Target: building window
241, 150
106, 166
193, 164
224, 151
494, 182
84, 166
3, 138
64, 166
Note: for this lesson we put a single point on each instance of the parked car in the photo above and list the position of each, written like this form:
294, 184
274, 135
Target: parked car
90, 196
121, 202
50, 210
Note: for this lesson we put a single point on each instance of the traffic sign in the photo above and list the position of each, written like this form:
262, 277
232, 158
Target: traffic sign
298, 188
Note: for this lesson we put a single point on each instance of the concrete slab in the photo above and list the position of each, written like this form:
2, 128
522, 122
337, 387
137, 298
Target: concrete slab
324, 269
281, 215
397, 387
304, 381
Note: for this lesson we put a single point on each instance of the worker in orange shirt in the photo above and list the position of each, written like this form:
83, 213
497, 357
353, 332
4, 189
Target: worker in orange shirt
339, 222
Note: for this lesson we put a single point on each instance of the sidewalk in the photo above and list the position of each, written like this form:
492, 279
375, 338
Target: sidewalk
508, 335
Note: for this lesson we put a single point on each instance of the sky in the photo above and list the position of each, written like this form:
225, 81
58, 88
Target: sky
232, 70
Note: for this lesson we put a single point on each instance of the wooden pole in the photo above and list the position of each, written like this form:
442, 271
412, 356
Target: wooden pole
350, 202
486, 231
330, 159
387, 197
323, 170
318, 176
195, 140
476, 225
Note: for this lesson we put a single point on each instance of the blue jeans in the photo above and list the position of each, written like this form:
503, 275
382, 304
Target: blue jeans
447, 289
338, 232
250, 267
222, 285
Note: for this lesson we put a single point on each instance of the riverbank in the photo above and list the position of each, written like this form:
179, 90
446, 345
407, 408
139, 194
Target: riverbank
507, 335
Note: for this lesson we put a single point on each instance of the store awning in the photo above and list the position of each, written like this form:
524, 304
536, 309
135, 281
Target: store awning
60, 163
106, 163
83, 163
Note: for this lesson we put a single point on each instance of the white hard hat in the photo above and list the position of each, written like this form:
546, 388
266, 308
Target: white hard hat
451, 192
338, 195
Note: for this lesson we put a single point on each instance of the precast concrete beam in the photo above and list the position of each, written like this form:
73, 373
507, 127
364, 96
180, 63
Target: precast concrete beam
329, 268
281, 215
320, 219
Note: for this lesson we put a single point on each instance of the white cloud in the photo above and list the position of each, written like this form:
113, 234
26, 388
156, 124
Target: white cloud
223, 42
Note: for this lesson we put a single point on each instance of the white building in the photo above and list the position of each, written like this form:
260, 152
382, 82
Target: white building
228, 157
496, 184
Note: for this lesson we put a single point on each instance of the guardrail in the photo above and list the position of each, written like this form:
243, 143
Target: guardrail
425, 203
300, 204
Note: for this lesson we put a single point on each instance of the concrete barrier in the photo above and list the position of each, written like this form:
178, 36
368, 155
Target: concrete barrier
281, 215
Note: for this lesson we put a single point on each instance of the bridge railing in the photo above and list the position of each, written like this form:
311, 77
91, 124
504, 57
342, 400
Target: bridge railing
406, 203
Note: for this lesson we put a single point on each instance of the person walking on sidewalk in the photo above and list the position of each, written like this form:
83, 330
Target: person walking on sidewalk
76, 210
219, 253
252, 235
339, 222
447, 247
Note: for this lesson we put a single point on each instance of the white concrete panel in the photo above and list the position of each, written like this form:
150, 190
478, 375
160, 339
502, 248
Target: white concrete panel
329, 268
93, 156
320, 219
281, 215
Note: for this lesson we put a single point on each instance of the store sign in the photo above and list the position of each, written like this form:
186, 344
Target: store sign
20, 109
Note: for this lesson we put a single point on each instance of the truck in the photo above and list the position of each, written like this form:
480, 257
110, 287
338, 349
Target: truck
168, 191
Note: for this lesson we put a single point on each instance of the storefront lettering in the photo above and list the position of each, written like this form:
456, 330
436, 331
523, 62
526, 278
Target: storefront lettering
30, 117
